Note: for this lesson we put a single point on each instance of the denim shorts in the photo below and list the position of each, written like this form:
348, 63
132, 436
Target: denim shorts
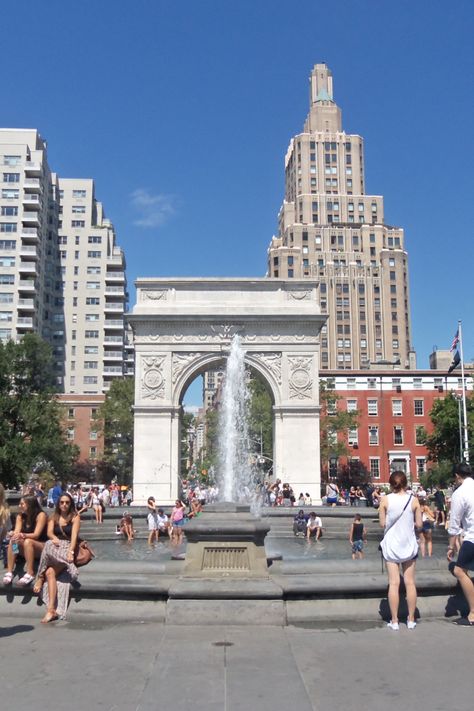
466, 556
358, 546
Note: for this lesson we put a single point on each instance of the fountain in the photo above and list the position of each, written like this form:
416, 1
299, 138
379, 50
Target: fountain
227, 540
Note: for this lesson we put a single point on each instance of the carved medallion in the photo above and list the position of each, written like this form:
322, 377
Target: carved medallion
300, 382
153, 381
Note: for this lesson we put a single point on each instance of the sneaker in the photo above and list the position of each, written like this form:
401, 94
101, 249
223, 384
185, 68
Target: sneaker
411, 625
393, 626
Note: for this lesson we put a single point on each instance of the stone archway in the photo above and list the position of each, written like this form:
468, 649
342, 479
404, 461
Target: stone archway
184, 326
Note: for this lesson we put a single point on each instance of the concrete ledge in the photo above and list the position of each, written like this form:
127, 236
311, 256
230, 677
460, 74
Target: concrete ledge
237, 589
226, 612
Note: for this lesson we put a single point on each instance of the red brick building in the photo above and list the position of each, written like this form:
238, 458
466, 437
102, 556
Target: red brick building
393, 407
82, 426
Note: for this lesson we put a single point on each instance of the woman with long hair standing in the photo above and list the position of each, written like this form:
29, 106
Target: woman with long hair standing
5, 524
426, 534
28, 539
58, 558
399, 513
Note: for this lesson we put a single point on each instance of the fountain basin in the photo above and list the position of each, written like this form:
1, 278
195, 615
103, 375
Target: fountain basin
226, 541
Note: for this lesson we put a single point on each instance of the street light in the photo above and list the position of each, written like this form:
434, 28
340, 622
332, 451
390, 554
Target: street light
458, 399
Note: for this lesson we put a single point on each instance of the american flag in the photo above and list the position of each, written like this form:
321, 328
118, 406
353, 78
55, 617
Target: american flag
455, 341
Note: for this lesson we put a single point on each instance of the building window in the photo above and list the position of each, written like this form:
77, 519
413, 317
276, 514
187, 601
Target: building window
92, 334
353, 436
91, 365
78, 223
373, 434
352, 406
419, 407
71, 413
78, 209
375, 467
79, 193
11, 177
92, 452
90, 379
419, 434
398, 434
372, 407
70, 433
420, 466
397, 408
93, 434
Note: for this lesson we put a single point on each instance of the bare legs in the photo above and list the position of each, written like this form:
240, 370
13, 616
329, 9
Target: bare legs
408, 571
30, 550
468, 589
51, 574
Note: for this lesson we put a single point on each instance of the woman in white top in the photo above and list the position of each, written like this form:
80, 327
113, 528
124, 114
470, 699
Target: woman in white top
399, 513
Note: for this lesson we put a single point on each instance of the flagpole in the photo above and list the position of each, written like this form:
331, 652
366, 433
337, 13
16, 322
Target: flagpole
464, 409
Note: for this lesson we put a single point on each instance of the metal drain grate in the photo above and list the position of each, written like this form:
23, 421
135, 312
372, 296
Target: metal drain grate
225, 559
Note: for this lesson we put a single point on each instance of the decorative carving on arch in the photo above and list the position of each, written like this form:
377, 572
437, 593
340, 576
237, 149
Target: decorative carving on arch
300, 381
226, 331
181, 362
153, 380
155, 295
299, 295
271, 361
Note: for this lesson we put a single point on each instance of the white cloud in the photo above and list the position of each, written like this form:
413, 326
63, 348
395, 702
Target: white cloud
153, 210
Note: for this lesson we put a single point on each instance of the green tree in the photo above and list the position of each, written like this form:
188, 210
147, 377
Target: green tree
334, 424
116, 419
260, 421
31, 433
443, 442
187, 424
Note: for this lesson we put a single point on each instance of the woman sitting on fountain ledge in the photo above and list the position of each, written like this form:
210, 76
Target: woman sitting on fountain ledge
57, 565
398, 514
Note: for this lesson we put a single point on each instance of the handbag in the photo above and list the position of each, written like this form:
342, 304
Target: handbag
392, 524
83, 554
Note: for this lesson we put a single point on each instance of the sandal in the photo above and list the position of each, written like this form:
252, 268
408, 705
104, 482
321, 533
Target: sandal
38, 586
8, 578
50, 616
27, 579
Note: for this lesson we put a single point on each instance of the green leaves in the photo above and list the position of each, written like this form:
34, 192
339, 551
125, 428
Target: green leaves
31, 435
116, 421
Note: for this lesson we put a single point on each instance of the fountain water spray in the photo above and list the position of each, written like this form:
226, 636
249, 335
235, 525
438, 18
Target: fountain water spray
236, 475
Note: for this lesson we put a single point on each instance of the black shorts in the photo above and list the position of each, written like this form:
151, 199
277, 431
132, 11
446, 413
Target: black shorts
466, 556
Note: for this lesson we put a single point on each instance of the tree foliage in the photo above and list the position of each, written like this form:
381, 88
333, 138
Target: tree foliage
116, 415
443, 442
260, 420
334, 423
31, 434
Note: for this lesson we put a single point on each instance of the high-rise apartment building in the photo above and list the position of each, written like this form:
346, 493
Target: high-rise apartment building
30, 283
61, 273
332, 231
94, 290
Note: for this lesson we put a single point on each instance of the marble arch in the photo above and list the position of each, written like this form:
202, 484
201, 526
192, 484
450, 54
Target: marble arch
184, 326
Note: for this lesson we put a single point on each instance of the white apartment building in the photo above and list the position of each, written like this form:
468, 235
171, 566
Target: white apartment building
30, 284
61, 273
330, 229
94, 290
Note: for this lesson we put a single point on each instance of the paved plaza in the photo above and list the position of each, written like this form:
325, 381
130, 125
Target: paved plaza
99, 662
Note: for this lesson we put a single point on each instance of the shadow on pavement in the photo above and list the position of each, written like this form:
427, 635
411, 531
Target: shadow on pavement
16, 629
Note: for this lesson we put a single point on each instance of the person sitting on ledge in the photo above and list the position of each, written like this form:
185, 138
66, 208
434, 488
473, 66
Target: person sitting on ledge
28, 539
299, 523
163, 523
126, 526
314, 527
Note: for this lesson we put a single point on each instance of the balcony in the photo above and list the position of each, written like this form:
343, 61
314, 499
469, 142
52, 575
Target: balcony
113, 370
32, 185
114, 323
28, 251
26, 304
28, 267
113, 355
24, 322
31, 218
31, 201
117, 308
115, 276
33, 168
117, 290
113, 339
27, 285
29, 233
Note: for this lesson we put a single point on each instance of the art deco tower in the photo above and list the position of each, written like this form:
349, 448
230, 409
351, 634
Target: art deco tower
330, 230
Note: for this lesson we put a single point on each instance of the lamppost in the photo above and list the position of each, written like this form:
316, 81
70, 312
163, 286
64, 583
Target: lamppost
458, 399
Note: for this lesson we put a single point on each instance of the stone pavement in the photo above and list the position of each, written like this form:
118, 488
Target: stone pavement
98, 662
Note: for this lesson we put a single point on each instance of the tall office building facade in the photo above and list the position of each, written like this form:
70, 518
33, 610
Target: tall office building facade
61, 273
332, 231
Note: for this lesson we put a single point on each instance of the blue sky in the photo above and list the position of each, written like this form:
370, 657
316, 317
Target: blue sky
182, 113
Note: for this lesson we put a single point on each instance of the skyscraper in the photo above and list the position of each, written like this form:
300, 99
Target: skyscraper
331, 230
